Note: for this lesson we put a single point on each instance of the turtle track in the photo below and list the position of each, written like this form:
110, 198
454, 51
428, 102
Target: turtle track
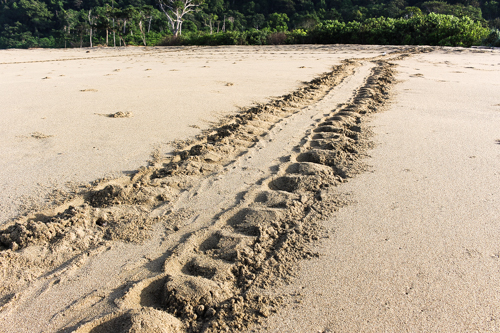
216, 280
46, 246
162, 181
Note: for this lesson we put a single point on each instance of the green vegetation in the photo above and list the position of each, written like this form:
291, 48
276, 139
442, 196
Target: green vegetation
77, 23
493, 38
432, 29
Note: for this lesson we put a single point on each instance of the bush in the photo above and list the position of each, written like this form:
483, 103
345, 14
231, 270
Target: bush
47, 42
154, 38
172, 41
493, 39
298, 36
433, 29
256, 37
276, 38
227, 38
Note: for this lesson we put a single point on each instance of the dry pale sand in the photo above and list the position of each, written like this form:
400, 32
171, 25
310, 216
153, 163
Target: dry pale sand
419, 250
281, 217
51, 133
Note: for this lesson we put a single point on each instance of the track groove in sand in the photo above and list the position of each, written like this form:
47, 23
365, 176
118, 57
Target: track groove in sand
230, 213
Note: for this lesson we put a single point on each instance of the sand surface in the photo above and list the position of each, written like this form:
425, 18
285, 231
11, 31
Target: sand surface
53, 131
418, 251
365, 200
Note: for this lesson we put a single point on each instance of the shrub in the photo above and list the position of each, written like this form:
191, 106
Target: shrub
154, 38
47, 42
256, 37
276, 38
297, 36
172, 41
493, 39
433, 29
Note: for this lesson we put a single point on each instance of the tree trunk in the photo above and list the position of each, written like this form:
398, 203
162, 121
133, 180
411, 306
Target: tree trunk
90, 25
142, 33
107, 36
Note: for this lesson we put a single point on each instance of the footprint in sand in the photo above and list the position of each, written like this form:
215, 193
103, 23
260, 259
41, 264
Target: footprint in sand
39, 135
118, 114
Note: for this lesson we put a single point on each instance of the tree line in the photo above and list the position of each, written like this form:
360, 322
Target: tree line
78, 23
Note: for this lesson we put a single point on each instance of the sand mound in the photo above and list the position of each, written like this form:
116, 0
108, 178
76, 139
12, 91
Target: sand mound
145, 320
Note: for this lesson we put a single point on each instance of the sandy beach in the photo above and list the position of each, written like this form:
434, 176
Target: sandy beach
170, 92
315, 188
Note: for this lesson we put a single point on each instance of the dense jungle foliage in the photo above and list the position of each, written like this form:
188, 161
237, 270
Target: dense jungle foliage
78, 23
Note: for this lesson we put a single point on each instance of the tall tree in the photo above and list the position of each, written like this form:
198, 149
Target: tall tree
175, 10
